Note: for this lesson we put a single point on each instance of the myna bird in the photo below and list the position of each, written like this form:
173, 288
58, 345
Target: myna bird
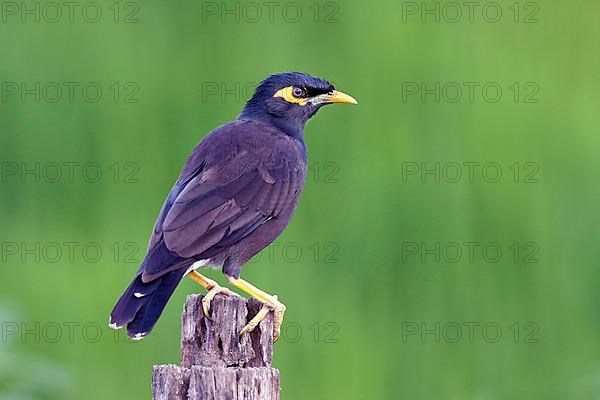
237, 192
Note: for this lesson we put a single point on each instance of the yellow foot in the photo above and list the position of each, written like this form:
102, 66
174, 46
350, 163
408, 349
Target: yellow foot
278, 309
270, 303
212, 292
213, 289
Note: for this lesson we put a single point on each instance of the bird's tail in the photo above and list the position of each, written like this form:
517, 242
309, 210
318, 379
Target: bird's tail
142, 303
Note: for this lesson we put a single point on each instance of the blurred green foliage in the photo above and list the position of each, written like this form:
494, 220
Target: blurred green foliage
366, 318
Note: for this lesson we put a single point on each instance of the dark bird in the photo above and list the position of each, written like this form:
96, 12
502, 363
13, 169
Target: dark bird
237, 192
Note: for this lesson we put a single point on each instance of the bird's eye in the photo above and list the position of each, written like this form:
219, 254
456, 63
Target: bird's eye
298, 92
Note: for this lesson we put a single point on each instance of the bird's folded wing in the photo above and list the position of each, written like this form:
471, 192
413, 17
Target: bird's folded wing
213, 211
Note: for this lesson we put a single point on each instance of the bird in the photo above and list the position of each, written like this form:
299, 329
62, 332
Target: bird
236, 194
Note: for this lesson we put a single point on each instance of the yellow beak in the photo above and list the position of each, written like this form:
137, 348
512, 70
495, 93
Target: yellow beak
333, 97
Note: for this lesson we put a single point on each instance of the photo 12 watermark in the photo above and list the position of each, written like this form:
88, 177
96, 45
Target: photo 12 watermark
521, 172
34, 172
470, 92
469, 332
69, 92
252, 12
294, 252
470, 12
471, 252
70, 252
54, 12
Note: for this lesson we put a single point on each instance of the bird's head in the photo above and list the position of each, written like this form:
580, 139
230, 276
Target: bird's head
289, 99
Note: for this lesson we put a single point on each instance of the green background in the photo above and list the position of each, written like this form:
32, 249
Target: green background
366, 318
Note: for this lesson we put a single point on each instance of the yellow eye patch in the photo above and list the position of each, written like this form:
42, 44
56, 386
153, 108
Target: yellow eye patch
286, 94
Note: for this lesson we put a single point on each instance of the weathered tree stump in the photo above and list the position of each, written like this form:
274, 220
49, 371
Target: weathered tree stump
216, 362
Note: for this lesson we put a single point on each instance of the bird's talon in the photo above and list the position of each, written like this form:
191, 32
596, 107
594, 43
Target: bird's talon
278, 310
278, 320
212, 292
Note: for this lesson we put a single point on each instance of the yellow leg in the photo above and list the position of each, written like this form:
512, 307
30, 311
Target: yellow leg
213, 289
271, 303
200, 279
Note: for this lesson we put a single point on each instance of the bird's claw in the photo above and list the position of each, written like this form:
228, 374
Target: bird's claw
278, 309
212, 292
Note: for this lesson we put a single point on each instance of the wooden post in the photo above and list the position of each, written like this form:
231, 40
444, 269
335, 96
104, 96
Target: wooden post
216, 363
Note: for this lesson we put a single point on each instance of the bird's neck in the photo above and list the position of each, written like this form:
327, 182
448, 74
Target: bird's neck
291, 128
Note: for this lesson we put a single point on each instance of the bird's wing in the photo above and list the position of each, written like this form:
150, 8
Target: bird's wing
221, 205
